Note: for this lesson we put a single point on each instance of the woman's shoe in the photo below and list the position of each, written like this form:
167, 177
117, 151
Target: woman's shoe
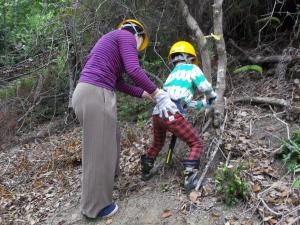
108, 211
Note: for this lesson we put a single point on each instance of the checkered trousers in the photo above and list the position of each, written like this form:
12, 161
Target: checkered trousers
181, 129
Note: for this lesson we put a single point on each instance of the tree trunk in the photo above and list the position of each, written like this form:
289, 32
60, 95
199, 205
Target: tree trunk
193, 25
72, 75
222, 63
4, 25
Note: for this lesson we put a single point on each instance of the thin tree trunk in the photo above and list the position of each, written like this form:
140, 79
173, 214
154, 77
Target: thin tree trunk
193, 25
222, 63
4, 24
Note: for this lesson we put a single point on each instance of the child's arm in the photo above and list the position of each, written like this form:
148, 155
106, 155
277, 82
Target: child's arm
203, 86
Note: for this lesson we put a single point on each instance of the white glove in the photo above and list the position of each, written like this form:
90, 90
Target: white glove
165, 104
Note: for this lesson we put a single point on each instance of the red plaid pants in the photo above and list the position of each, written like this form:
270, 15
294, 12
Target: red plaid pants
181, 129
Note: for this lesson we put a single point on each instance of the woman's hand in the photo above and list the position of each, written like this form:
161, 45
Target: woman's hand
148, 96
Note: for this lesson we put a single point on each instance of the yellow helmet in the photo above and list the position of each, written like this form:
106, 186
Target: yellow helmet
183, 47
145, 36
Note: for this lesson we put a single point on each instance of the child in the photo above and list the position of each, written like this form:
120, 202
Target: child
180, 85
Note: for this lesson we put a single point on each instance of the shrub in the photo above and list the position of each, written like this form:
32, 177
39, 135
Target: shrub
231, 183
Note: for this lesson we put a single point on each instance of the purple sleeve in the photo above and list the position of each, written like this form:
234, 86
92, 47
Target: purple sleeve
128, 51
129, 89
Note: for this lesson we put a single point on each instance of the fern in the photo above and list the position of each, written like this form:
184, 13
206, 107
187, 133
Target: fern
247, 68
272, 19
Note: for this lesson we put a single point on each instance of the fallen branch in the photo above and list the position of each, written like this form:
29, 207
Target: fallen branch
212, 156
294, 221
268, 208
289, 213
262, 59
280, 120
263, 100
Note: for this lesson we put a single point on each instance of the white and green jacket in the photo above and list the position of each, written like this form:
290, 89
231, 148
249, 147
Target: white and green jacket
182, 82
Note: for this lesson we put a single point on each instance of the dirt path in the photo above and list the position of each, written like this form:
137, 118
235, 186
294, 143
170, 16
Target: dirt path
152, 205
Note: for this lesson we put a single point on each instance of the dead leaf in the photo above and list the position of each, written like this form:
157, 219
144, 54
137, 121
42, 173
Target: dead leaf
38, 184
215, 213
166, 213
109, 221
228, 147
267, 218
193, 196
273, 221
271, 200
260, 142
207, 189
243, 139
284, 194
256, 188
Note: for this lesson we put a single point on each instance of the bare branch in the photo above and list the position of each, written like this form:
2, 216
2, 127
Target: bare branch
201, 40
263, 100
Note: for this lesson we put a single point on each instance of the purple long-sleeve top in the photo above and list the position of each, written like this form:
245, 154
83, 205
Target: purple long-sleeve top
114, 54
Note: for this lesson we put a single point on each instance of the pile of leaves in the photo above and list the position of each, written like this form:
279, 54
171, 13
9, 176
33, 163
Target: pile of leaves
42, 178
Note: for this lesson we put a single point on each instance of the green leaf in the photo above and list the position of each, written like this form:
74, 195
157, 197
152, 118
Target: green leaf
247, 68
272, 19
296, 183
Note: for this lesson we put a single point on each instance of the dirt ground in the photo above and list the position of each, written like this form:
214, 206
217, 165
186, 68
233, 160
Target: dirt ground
160, 201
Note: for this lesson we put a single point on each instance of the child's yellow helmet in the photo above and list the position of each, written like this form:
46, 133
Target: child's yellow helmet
145, 36
183, 47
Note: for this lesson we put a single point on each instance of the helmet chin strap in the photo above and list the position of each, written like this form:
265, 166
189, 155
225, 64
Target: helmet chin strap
182, 58
138, 42
134, 28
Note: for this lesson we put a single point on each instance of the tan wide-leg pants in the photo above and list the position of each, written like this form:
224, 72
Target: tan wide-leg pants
95, 108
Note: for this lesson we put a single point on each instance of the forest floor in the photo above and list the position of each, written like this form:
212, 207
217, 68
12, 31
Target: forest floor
40, 180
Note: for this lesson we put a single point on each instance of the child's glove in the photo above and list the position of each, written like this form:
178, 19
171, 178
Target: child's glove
165, 104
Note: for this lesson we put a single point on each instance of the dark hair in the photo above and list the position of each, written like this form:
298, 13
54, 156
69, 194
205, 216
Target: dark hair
131, 29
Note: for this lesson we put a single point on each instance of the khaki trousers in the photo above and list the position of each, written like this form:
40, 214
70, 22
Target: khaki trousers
95, 107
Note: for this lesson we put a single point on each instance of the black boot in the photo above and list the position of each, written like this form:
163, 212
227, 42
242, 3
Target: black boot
190, 174
147, 164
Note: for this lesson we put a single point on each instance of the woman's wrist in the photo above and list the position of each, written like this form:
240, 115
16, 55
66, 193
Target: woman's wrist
155, 92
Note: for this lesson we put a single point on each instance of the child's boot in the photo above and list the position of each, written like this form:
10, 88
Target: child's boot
190, 174
147, 164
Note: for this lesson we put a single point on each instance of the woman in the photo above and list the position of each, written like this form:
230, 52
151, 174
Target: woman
94, 103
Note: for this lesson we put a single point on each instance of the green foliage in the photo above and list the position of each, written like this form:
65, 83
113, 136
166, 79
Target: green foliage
231, 183
28, 27
271, 19
291, 152
296, 183
156, 66
298, 8
17, 87
133, 109
248, 68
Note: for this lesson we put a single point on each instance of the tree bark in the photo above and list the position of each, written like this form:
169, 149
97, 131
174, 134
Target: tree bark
222, 63
193, 25
4, 25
